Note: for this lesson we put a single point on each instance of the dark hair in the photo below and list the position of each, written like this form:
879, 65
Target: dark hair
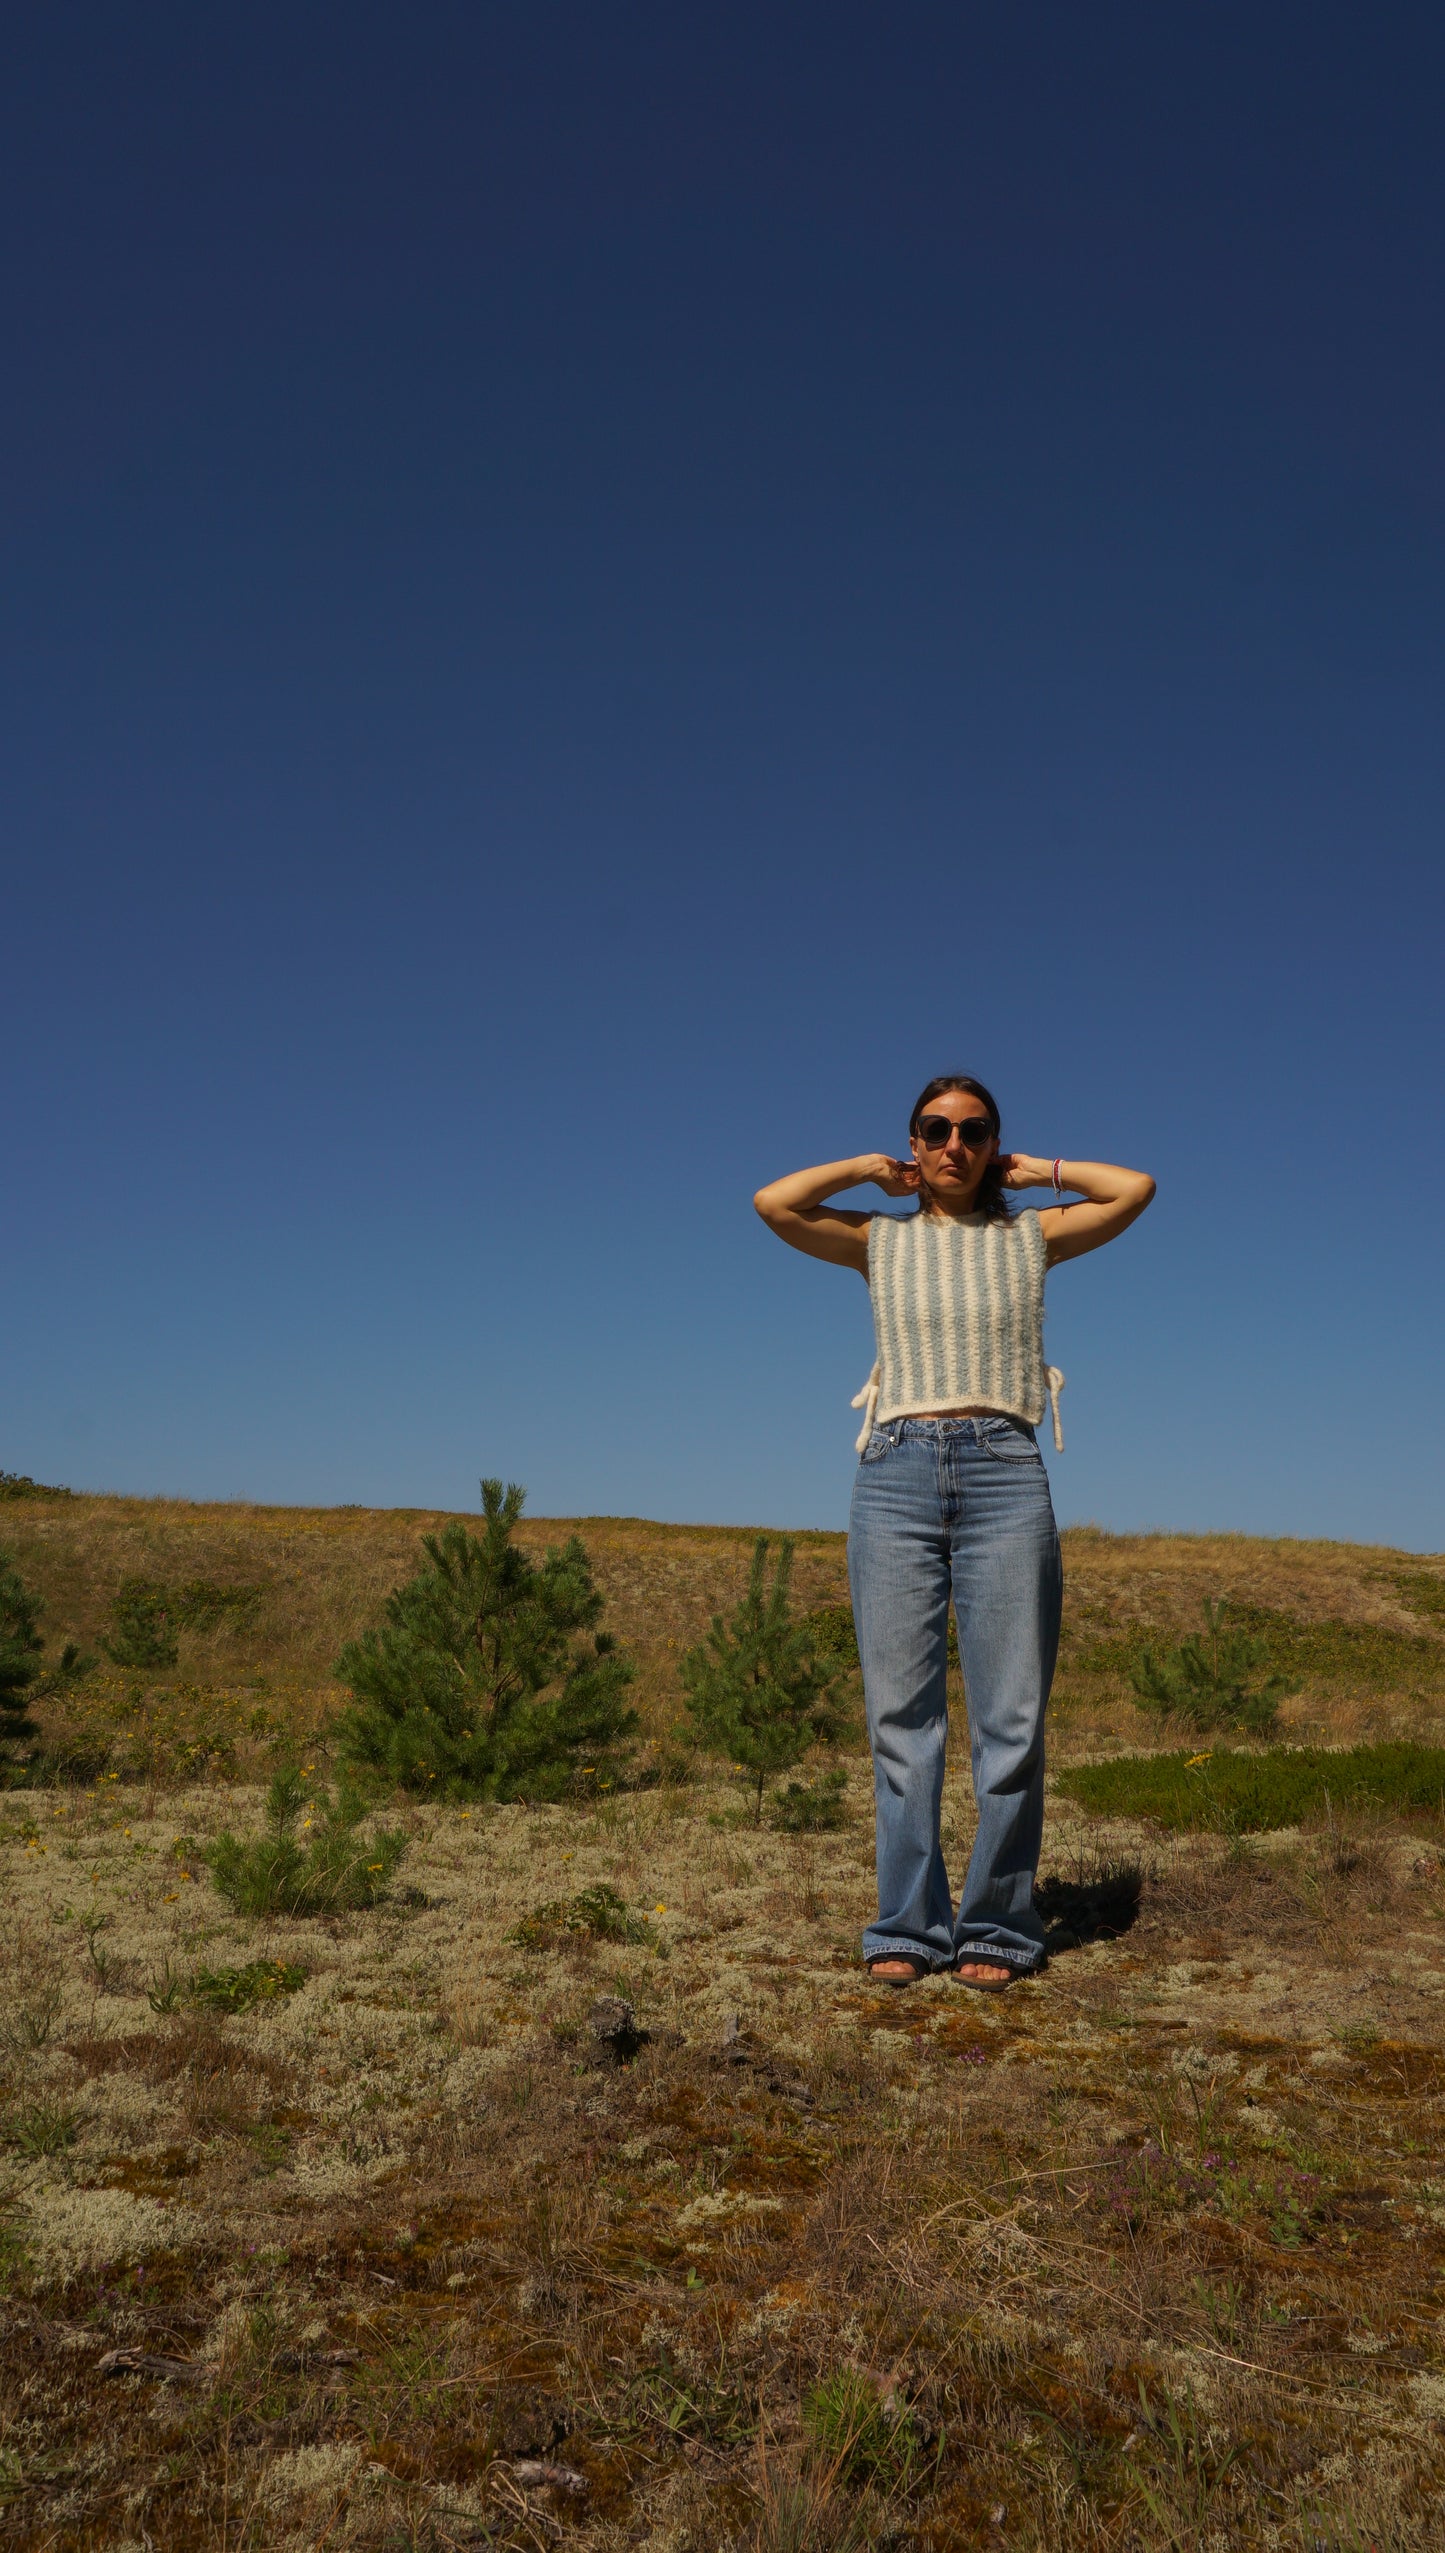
992, 1199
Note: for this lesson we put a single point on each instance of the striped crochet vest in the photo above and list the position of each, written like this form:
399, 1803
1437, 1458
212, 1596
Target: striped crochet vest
958, 1311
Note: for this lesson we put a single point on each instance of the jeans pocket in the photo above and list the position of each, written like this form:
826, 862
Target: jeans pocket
879, 1444
1010, 1445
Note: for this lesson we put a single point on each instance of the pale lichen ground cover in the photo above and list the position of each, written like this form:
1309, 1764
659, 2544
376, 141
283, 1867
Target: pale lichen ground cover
1161, 2232
1150, 2252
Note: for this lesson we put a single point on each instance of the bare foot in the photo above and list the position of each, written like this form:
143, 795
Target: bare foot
899, 1970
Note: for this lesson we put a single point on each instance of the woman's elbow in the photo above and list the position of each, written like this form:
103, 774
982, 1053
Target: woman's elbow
1146, 1189
766, 1205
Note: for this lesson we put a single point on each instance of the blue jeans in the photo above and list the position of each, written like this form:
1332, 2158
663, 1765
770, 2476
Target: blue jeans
956, 1507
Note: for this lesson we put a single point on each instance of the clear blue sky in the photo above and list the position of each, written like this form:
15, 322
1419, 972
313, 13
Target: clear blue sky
588, 597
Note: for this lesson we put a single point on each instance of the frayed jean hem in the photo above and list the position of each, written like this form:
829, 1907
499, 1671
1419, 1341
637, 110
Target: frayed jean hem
1002, 1954
937, 1964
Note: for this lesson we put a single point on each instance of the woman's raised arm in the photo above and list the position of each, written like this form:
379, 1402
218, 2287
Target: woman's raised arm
796, 1209
1112, 1199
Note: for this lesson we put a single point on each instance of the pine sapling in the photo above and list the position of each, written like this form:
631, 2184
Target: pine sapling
476, 1684
142, 1633
1219, 1681
757, 1688
311, 1857
21, 1647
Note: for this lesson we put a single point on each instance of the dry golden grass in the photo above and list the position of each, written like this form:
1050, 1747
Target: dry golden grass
1149, 2253
1377, 1666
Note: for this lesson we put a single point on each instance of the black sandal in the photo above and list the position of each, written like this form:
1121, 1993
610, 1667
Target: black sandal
920, 1968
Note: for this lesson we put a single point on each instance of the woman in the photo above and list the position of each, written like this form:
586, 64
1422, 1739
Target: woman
951, 1499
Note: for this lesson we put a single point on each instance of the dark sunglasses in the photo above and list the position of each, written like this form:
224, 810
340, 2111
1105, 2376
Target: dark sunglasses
972, 1131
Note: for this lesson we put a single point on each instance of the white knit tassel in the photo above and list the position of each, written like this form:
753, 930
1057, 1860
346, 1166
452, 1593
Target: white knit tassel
867, 1401
1055, 1382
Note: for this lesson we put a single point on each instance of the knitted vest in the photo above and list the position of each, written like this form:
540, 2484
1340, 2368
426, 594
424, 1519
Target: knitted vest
958, 1310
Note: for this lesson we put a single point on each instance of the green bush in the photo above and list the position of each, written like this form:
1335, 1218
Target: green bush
142, 1633
596, 1914
757, 1687
1243, 1794
811, 1808
1323, 1658
76, 1757
21, 1648
1423, 1590
834, 1636
22, 1678
72, 1667
239, 1989
1221, 1681
200, 1605
334, 1870
146, 1617
474, 1687
20, 1485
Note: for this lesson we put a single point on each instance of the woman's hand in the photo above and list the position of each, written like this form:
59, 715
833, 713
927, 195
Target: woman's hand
1021, 1170
895, 1178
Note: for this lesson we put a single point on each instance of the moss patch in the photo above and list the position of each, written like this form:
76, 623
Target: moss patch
1236, 1793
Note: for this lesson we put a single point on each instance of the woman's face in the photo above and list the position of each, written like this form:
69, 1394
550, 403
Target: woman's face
954, 1166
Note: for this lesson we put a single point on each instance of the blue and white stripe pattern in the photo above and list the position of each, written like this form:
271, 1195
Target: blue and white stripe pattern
958, 1309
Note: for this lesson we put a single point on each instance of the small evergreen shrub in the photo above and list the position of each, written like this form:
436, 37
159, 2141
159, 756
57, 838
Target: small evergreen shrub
1244, 1794
811, 1808
596, 1914
142, 1632
21, 1649
20, 1485
757, 1688
475, 1686
310, 1859
1220, 1681
72, 1667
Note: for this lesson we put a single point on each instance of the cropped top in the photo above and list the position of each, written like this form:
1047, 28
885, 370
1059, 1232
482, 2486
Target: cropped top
958, 1312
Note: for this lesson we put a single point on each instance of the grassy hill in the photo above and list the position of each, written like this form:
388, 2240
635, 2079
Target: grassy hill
496, 2215
1360, 1627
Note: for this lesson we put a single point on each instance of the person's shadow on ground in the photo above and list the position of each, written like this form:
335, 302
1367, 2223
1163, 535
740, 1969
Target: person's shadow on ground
1076, 1911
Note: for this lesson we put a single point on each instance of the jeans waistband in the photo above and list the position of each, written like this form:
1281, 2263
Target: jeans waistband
984, 1425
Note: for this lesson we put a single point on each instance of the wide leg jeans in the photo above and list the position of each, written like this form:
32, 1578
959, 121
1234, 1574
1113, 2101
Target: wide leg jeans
956, 1510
